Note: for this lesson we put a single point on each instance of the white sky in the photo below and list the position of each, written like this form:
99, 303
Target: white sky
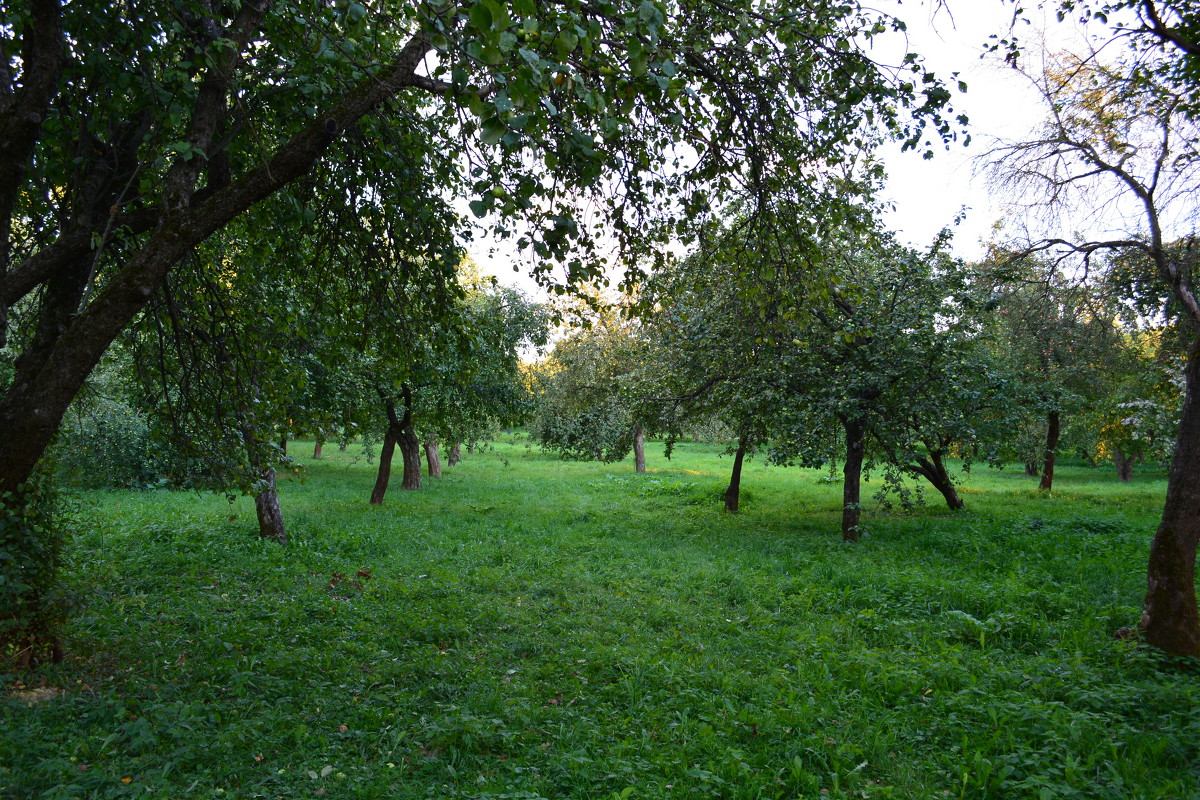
928, 194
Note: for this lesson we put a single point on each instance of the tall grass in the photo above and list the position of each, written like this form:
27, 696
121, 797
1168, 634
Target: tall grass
531, 628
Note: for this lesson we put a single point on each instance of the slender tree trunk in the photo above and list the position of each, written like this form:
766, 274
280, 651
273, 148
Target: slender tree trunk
1031, 468
433, 461
471, 447
384, 474
455, 455
1169, 617
283, 446
852, 472
342, 447
1124, 465
266, 505
1051, 451
317, 448
733, 493
639, 449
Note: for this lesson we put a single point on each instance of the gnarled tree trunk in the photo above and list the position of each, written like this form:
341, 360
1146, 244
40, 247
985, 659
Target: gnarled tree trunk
733, 493
1051, 451
455, 455
852, 472
410, 450
266, 505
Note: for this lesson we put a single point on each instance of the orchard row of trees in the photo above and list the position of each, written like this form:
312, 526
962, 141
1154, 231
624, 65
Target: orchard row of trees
911, 358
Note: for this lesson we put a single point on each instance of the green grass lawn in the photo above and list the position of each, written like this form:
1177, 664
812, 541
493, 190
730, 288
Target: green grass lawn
531, 628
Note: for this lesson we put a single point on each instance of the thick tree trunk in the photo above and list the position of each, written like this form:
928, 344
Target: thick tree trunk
317, 448
410, 449
455, 455
270, 518
639, 449
384, 474
1169, 616
433, 462
1051, 451
1124, 465
852, 472
733, 493
933, 469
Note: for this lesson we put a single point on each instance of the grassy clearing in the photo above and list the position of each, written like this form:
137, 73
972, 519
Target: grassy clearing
526, 627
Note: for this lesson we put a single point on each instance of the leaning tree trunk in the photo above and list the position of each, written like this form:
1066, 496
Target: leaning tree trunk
1051, 450
852, 484
266, 505
455, 455
433, 462
733, 493
384, 474
933, 469
1169, 616
639, 449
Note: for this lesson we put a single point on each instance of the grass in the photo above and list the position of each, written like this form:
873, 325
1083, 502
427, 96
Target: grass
531, 628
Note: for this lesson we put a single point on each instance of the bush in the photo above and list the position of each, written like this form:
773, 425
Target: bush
108, 446
31, 542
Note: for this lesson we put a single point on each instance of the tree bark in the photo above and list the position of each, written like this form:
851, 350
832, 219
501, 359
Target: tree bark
639, 449
266, 505
471, 447
455, 455
433, 461
1031, 469
1170, 619
1051, 451
283, 445
318, 448
733, 493
852, 483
